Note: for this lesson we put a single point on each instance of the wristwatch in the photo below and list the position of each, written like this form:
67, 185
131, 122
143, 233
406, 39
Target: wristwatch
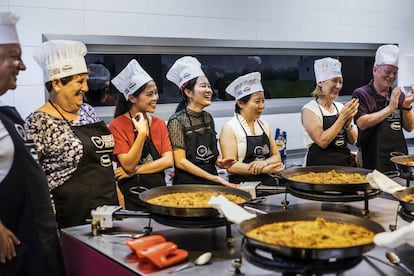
405, 108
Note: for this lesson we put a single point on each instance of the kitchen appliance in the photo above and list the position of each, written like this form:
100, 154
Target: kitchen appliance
330, 192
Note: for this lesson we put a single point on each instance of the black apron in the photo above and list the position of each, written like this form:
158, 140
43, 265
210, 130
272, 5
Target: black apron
336, 153
93, 182
258, 148
25, 207
133, 186
387, 137
201, 150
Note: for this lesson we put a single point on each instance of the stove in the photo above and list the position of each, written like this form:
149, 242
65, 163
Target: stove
192, 222
406, 215
403, 213
336, 196
269, 260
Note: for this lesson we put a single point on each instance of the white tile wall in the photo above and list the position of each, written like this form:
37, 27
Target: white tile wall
56, 4
280, 10
368, 21
231, 29
234, 9
116, 23
36, 21
282, 31
177, 26
191, 8
126, 6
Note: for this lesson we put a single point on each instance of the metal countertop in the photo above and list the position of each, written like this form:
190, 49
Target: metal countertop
196, 241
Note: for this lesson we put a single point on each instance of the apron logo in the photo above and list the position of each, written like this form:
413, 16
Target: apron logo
148, 158
395, 126
106, 160
20, 131
261, 150
203, 153
339, 142
105, 141
395, 116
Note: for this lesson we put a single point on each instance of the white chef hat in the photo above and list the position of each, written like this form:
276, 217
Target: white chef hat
387, 55
8, 32
184, 69
327, 68
245, 85
131, 78
61, 58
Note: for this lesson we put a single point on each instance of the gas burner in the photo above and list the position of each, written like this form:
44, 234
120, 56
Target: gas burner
323, 206
271, 261
191, 222
334, 196
406, 215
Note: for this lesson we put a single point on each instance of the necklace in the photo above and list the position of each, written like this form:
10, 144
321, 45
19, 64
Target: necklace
71, 115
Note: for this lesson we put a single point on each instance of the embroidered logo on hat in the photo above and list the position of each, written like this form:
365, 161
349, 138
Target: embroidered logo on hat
327, 68
131, 78
61, 58
67, 68
184, 69
245, 85
387, 55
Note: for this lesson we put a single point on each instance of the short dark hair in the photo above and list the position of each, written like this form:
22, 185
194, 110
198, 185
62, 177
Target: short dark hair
244, 99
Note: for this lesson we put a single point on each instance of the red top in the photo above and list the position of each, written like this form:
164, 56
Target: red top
123, 132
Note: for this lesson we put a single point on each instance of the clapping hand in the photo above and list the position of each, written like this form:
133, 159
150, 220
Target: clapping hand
409, 98
349, 110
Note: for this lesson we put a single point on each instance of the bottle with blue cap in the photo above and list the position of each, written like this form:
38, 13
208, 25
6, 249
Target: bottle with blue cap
280, 140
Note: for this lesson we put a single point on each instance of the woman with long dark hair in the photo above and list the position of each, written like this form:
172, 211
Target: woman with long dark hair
191, 129
142, 146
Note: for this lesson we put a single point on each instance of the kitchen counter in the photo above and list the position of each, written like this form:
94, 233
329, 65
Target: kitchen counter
102, 255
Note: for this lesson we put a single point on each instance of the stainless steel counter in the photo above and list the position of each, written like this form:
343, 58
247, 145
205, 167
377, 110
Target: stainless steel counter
225, 251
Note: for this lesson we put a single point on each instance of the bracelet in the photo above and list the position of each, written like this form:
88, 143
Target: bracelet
406, 108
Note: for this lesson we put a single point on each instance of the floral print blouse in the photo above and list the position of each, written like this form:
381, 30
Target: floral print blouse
59, 149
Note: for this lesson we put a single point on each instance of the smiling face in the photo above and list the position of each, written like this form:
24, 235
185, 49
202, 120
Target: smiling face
70, 95
254, 107
385, 76
146, 101
10, 65
331, 88
201, 95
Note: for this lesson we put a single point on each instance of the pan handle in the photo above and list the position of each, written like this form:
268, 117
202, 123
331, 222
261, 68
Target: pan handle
396, 153
256, 200
392, 174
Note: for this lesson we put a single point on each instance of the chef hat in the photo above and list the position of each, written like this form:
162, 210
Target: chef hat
245, 85
8, 32
387, 54
61, 58
98, 76
131, 78
184, 69
327, 68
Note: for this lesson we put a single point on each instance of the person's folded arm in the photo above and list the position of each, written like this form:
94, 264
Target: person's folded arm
165, 161
181, 162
